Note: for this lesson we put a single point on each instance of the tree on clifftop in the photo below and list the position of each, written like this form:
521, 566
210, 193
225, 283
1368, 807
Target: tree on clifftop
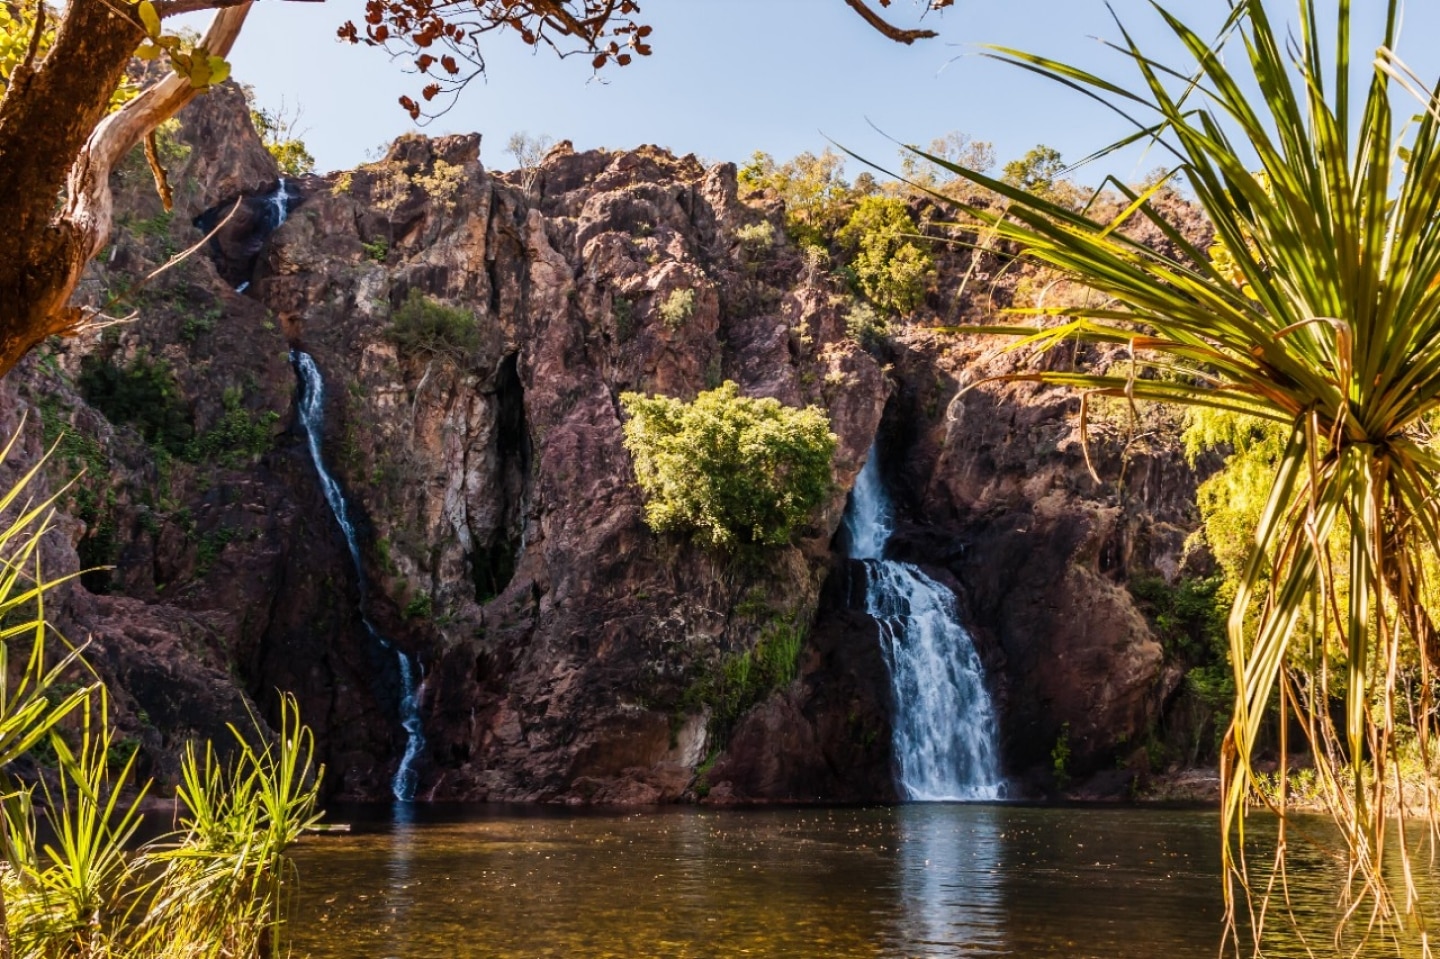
67, 116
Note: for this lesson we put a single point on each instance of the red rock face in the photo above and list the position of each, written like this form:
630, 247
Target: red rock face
565, 646
570, 683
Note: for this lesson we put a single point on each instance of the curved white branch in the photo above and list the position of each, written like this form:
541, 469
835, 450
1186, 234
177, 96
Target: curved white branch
91, 207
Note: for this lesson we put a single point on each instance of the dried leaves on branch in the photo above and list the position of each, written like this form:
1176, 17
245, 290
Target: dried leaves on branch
442, 38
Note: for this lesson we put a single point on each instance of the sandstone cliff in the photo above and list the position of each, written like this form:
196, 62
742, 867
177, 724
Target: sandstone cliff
566, 648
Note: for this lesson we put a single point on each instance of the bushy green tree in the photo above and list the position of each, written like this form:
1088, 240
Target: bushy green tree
890, 268
1035, 172
278, 132
731, 469
817, 196
422, 326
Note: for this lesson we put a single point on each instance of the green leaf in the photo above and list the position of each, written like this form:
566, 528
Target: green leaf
149, 17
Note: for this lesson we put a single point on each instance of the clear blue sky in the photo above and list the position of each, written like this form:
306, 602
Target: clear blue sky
729, 77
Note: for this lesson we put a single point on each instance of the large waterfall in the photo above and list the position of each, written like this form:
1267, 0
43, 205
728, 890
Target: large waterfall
312, 419
944, 722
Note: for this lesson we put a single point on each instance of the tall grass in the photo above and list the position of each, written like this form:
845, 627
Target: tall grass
80, 887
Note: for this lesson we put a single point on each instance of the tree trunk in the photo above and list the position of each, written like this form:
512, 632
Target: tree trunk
57, 144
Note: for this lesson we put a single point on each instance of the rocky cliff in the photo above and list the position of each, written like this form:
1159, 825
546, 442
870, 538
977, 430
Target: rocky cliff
569, 654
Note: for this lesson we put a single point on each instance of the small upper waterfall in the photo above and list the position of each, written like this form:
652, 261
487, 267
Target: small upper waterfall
279, 203
312, 419
263, 215
944, 723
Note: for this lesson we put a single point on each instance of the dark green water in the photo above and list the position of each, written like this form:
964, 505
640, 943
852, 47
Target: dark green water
904, 881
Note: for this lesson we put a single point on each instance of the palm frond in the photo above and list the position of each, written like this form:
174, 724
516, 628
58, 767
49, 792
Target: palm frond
1326, 318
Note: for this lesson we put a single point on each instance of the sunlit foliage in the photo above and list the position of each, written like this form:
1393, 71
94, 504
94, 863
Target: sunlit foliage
730, 469
890, 264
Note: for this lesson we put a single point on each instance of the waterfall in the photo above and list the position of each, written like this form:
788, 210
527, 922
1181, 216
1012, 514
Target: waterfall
312, 419
944, 722
279, 204
273, 209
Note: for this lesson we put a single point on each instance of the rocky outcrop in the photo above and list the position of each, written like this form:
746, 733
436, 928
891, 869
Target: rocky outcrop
567, 650
1043, 553
563, 679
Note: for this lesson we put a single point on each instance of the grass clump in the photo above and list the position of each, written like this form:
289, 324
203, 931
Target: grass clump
740, 681
623, 312
377, 249
732, 470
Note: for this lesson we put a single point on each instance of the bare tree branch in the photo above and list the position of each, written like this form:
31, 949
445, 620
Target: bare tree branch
888, 29
90, 207
173, 8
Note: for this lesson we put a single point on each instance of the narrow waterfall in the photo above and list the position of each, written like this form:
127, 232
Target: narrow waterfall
944, 722
312, 419
270, 211
279, 202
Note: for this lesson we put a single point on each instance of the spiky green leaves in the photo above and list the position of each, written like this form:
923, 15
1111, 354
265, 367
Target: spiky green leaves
1323, 314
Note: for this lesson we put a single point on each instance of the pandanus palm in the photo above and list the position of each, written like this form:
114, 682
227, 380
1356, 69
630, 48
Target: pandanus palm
1324, 317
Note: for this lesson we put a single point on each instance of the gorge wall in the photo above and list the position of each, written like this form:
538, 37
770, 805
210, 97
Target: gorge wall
569, 653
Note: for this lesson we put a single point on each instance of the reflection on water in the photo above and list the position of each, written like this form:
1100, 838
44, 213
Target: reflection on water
951, 904
926, 881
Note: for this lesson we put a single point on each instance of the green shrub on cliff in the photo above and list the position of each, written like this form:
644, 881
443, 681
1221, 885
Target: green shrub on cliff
278, 131
425, 327
736, 683
142, 394
814, 189
890, 269
239, 437
731, 469
678, 307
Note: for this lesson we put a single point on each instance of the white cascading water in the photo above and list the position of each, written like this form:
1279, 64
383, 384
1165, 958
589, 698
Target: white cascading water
312, 419
280, 203
944, 722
